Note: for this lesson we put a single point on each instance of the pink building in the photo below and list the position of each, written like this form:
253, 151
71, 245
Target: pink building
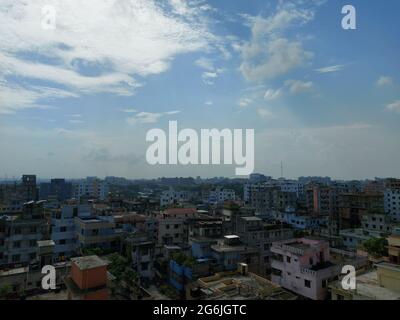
303, 266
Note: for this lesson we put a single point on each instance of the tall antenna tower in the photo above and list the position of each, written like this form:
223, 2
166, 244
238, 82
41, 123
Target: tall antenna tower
281, 169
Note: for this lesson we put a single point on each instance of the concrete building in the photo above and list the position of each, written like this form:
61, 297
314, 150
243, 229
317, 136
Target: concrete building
56, 188
141, 251
230, 251
220, 195
376, 222
392, 203
19, 235
172, 226
29, 188
63, 231
237, 285
381, 283
92, 188
255, 233
173, 197
353, 206
97, 232
88, 279
304, 267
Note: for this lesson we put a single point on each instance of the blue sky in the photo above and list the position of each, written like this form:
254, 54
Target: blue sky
79, 99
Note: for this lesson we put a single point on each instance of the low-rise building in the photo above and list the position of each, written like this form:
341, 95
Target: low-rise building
237, 285
88, 280
303, 266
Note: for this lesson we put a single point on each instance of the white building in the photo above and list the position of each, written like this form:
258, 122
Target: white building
392, 203
171, 196
219, 195
91, 187
303, 266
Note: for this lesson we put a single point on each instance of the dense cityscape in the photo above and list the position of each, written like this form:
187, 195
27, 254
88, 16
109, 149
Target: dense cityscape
200, 239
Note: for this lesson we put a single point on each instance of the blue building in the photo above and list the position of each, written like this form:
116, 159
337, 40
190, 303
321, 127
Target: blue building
63, 229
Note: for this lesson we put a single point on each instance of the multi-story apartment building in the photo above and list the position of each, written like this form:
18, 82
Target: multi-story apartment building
254, 233
266, 198
63, 231
172, 226
97, 232
304, 267
376, 222
141, 251
91, 187
19, 235
56, 188
353, 206
205, 227
219, 195
392, 203
230, 251
29, 188
172, 197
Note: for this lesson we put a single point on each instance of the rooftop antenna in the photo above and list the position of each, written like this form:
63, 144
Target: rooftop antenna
281, 169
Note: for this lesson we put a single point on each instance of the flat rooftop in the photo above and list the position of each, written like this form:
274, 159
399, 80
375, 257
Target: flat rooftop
368, 287
89, 262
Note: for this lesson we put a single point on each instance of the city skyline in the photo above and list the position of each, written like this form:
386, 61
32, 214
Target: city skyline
78, 100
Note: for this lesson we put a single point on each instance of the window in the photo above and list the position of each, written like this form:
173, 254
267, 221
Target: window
307, 283
63, 241
144, 266
16, 258
17, 244
288, 259
63, 229
32, 243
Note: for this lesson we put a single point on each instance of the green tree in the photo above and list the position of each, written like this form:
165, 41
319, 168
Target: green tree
376, 247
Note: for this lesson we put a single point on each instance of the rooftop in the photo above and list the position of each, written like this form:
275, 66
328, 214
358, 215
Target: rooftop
235, 286
368, 287
89, 262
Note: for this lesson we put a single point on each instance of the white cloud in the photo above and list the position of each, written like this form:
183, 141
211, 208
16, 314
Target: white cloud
148, 117
14, 97
330, 69
269, 54
384, 81
394, 107
263, 113
245, 102
123, 39
272, 94
297, 86
209, 103
212, 72
205, 63
129, 110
